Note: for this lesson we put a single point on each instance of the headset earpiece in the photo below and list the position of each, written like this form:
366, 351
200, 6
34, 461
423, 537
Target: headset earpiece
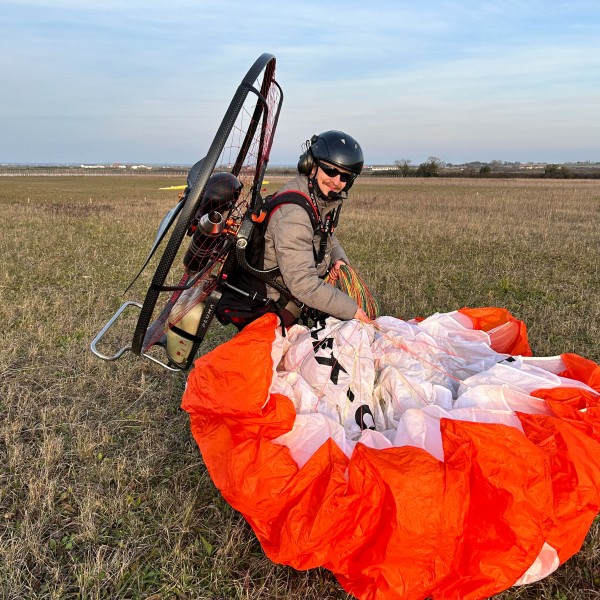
306, 162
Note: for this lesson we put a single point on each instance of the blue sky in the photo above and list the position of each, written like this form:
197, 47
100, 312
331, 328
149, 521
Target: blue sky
148, 81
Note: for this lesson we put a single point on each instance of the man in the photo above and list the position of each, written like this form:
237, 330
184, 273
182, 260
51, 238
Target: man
304, 246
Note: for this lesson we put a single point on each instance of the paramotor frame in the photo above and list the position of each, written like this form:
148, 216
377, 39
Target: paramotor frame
241, 147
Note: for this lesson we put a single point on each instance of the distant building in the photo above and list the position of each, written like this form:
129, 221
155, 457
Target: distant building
382, 168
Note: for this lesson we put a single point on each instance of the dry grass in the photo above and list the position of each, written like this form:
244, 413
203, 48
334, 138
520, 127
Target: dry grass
102, 490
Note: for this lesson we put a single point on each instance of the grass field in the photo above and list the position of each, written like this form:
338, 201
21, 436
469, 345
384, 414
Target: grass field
103, 493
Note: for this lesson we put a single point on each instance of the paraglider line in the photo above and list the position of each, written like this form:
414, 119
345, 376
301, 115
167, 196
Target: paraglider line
402, 346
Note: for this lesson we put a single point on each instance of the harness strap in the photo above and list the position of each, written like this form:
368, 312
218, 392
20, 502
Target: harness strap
325, 229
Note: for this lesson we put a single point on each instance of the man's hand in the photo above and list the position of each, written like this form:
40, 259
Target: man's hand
361, 315
334, 272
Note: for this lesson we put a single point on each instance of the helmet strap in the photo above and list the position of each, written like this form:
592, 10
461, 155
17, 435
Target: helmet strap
313, 189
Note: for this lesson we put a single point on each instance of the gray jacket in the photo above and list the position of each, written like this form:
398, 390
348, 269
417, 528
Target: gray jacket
289, 242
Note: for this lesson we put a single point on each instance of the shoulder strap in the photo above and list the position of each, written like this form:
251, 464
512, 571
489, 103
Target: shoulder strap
293, 197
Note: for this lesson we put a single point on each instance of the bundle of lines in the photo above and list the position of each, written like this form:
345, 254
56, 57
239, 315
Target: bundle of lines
350, 282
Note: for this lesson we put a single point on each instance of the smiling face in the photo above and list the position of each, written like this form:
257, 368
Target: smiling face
331, 182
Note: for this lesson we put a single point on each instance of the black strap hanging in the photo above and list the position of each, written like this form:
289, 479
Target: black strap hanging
326, 228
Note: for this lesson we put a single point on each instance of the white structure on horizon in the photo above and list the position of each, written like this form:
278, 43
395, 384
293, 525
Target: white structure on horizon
383, 168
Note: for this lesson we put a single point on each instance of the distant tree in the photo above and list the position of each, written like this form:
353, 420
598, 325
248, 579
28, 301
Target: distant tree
403, 165
554, 171
485, 170
430, 168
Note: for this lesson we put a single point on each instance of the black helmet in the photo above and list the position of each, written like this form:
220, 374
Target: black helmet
338, 148
220, 192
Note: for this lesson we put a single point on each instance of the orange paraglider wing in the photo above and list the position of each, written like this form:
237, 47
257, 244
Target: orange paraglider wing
510, 493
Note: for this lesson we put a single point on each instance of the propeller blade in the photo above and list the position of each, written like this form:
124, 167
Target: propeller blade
168, 220
160, 234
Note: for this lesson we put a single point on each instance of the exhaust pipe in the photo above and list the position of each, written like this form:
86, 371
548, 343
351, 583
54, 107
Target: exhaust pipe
212, 223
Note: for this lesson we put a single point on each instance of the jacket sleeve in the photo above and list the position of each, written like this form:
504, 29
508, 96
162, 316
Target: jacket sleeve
293, 235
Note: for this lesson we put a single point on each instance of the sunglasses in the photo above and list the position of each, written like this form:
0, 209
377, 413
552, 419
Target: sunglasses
333, 172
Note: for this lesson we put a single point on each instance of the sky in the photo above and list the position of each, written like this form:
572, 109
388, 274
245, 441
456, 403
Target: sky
149, 81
